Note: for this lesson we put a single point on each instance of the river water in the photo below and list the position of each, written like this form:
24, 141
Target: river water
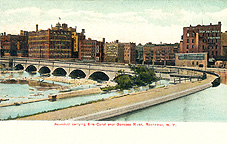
25, 92
209, 105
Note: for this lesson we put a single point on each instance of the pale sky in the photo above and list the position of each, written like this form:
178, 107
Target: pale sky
139, 21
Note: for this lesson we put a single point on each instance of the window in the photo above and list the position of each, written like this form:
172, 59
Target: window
192, 46
187, 40
187, 34
192, 40
187, 46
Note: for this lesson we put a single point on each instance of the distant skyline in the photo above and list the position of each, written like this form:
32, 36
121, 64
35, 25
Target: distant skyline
139, 21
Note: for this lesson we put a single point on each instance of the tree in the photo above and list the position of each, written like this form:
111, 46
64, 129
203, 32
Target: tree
143, 75
124, 82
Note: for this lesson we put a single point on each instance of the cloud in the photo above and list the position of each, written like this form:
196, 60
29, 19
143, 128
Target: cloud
158, 14
153, 25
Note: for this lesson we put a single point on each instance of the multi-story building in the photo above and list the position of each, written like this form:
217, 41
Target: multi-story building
114, 52
51, 43
164, 54
224, 44
100, 50
160, 54
91, 50
148, 53
202, 38
130, 53
139, 53
14, 45
87, 49
76, 38
22, 46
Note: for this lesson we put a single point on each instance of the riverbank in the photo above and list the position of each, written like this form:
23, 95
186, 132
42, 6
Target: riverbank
117, 102
76, 82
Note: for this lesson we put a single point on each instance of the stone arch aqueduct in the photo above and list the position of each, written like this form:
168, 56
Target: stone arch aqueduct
111, 70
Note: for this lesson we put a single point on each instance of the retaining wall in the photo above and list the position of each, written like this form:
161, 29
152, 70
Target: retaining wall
141, 105
78, 93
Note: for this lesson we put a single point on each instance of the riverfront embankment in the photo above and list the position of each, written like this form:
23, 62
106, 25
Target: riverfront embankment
119, 101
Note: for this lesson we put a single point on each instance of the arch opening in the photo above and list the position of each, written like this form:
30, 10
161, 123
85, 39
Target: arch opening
99, 76
59, 72
31, 69
19, 67
77, 74
44, 70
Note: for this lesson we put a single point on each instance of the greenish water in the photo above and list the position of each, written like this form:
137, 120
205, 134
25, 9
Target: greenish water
209, 105
24, 92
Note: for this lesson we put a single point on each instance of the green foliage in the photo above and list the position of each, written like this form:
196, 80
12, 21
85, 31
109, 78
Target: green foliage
2, 66
108, 88
124, 82
143, 76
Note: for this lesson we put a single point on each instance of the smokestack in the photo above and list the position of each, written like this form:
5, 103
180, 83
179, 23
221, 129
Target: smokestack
83, 31
37, 27
103, 40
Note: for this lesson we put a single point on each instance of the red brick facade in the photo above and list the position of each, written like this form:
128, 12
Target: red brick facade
202, 38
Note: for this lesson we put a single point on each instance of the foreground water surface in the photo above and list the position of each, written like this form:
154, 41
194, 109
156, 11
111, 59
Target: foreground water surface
25, 92
209, 105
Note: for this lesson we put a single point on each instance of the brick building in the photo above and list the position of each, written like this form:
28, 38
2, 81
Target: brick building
130, 53
224, 44
114, 52
51, 43
148, 53
76, 38
202, 38
160, 54
91, 50
14, 45
139, 53
164, 54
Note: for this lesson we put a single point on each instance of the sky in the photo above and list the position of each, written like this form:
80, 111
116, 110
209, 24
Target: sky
138, 21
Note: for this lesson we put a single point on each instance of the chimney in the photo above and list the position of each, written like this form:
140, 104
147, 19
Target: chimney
4, 33
117, 41
210, 23
103, 40
37, 27
83, 31
219, 23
